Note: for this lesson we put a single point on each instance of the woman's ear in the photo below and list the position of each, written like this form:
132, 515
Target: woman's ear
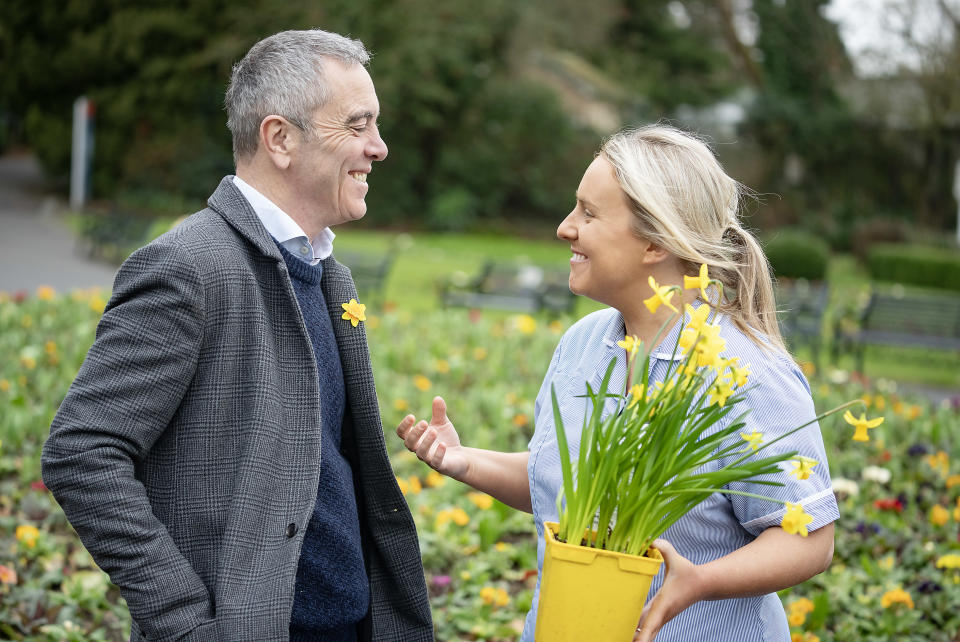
654, 254
278, 138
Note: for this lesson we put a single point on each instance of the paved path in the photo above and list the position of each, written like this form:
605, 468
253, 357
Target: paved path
36, 247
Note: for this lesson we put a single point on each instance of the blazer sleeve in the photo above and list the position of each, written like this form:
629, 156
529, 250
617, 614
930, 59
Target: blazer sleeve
121, 402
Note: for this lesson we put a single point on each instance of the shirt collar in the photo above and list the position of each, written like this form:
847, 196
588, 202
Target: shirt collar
617, 329
281, 226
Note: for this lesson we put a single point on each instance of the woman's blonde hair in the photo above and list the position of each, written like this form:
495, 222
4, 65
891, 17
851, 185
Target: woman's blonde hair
684, 201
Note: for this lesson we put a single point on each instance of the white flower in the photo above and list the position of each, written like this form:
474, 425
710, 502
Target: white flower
876, 474
846, 486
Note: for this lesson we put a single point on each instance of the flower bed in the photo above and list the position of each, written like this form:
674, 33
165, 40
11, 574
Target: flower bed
896, 574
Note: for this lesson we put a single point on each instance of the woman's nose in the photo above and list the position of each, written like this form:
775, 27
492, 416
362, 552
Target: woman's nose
567, 231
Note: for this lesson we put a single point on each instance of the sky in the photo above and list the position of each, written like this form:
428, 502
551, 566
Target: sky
869, 29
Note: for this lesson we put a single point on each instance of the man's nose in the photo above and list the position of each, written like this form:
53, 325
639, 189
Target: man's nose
376, 148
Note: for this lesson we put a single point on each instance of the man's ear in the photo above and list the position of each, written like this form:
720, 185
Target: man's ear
279, 138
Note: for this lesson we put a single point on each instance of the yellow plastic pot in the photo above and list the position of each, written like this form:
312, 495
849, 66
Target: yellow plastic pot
591, 594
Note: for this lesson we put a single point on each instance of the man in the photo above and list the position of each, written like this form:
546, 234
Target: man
220, 452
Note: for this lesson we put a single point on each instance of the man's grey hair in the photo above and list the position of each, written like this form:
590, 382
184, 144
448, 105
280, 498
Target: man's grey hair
283, 75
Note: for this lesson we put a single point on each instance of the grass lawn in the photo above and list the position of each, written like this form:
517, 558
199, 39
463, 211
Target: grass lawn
425, 258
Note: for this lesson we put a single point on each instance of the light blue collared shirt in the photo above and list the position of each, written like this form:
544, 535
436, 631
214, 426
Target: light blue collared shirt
285, 229
779, 400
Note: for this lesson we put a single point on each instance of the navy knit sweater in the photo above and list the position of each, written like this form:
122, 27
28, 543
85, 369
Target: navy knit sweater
332, 592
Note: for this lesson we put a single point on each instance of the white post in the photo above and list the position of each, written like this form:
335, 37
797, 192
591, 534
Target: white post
81, 152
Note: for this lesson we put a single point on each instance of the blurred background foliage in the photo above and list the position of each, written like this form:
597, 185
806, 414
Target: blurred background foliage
492, 109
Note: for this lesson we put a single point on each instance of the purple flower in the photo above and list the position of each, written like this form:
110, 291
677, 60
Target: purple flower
929, 586
441, 580
917, 449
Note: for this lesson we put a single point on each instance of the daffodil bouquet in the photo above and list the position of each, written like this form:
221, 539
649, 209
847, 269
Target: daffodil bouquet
641, 469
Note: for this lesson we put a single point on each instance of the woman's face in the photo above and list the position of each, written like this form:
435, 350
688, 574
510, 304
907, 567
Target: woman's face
607, 263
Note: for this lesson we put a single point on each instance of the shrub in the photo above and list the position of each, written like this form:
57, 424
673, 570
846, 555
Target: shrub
796, 254
921, 265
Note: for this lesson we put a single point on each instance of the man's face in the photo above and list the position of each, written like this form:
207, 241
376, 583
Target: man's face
331, 166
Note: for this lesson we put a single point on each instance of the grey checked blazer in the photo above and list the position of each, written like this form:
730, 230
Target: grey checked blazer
186, 453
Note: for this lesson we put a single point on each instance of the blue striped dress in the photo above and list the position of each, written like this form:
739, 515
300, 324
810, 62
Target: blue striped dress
779, 400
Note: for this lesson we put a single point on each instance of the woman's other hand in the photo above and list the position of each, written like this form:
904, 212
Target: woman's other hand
676, 593
437, 444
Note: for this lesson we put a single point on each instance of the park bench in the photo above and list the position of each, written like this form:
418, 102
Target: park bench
800, 308
369, 271
908, 321
515, 287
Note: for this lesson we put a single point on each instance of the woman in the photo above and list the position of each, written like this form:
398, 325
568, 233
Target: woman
655, 202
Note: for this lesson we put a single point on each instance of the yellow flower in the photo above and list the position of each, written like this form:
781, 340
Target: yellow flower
481, 500
796, 618
950, 560
400, 404
719, 392
636, 395
435, 479
802, 605
938, 515
886, 563
502, 598
442, 366
880, 403
525, 323
354, 312
953, 480
661, 296
940, 462
404, 486
27, 535
631, 344
28, 362
702, 281
46, 293
465, 575
803, 466
520, 420
556, 327
97, 304
795, 520
698, 316
739, 375
4, 385
753, 439
806, 636
421, 382
460, 517
479, 354
861, 425
896, 596
501, 547
50, 348
415, 486
488, 594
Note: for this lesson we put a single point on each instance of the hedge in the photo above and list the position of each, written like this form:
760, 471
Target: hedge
795, 254
921, 265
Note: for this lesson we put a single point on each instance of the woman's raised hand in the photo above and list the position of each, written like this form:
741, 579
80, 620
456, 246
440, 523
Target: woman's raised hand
437, 443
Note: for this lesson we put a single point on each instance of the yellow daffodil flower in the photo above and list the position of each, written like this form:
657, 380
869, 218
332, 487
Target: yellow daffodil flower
896, 596
631, 344
698, 316
861, 425
795, 520
661, 296
803, 466
753, 439
720, 392
701, 281
354, 312
636, 395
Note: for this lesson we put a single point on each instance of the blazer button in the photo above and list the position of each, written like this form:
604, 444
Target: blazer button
291, 530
